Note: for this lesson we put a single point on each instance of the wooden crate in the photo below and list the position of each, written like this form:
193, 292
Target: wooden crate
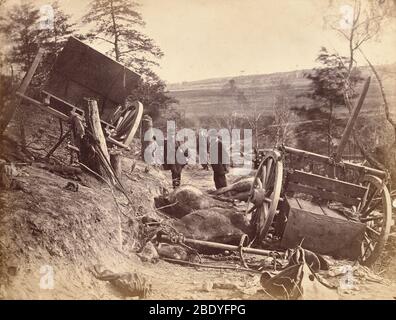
321, 229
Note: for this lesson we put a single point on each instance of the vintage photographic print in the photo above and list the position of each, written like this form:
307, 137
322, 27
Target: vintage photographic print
197, 150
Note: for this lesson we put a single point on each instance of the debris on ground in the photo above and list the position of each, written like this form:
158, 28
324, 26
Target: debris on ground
297, 281
148, 253
128, 284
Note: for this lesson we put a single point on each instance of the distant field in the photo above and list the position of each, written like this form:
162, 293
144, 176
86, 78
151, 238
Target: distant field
218, 97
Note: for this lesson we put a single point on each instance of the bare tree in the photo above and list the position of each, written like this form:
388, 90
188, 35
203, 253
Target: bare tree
364, 23
282, 115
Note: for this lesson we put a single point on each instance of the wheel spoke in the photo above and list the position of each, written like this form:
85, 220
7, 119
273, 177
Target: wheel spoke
368, 201
269, 167
265, 192
375, 212
369, 243
374, 218
264, 176
370, 208
259, 184
373, 231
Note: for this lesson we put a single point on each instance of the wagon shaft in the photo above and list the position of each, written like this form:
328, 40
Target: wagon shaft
352, 121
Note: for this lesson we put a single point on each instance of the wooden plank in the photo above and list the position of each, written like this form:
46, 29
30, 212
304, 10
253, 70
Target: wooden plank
332, 213
43, 107
309, 206
334, 185
117, 143
94, 124
327, 160
322, 194
74, 108
294, 202
64, 117
29, 75
351, 122
62, 101
317, 208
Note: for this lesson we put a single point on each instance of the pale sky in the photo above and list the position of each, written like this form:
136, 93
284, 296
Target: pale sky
215, 38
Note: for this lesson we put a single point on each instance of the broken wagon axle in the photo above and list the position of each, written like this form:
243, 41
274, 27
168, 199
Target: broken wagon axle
216, 245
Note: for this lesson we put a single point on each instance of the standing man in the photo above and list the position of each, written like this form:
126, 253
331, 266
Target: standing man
221, 166
175, 166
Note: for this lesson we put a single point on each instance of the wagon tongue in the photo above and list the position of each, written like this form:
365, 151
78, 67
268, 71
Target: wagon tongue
351, 122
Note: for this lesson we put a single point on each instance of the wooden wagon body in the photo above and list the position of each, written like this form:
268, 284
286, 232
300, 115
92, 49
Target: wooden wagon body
326, 204
79, 73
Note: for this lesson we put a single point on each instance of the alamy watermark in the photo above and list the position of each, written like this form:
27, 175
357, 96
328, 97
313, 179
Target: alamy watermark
47, 17
203, 146
47, 281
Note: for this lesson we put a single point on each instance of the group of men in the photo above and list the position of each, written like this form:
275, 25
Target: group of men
216, 151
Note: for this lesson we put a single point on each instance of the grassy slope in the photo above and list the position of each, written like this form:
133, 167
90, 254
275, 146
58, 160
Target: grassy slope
208, 97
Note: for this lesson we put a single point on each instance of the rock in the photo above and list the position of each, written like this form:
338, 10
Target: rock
149, 253
207, 286
225, 286
12, 270
127, 283
71, 186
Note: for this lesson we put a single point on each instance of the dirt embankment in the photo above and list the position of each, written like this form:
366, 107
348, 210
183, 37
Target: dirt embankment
47, 225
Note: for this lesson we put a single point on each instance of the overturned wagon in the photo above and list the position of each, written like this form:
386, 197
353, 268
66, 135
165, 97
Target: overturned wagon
79, 73
329, 205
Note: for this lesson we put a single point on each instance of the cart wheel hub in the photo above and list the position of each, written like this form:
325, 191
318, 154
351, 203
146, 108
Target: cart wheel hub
258, 197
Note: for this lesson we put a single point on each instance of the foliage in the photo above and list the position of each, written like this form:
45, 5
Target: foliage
329, 82
366, 21
153, 95
25, 31
117, 24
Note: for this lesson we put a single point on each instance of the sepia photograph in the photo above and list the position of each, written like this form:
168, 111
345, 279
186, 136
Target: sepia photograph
197, 155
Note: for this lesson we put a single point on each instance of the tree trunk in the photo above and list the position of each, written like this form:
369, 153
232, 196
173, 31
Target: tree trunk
329, 136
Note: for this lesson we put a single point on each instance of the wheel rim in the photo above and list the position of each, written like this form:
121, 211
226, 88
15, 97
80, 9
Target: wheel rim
375, 210
265, 193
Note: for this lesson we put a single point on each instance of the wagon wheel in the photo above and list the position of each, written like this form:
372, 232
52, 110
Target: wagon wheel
375, 210
265, 193
128, 122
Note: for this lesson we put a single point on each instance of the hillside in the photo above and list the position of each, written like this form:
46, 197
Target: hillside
218, 96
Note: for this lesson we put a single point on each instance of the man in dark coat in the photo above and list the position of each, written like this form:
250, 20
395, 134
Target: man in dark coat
176, 167
221, 167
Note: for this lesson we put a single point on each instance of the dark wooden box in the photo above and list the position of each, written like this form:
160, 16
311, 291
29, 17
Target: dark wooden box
320, 229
